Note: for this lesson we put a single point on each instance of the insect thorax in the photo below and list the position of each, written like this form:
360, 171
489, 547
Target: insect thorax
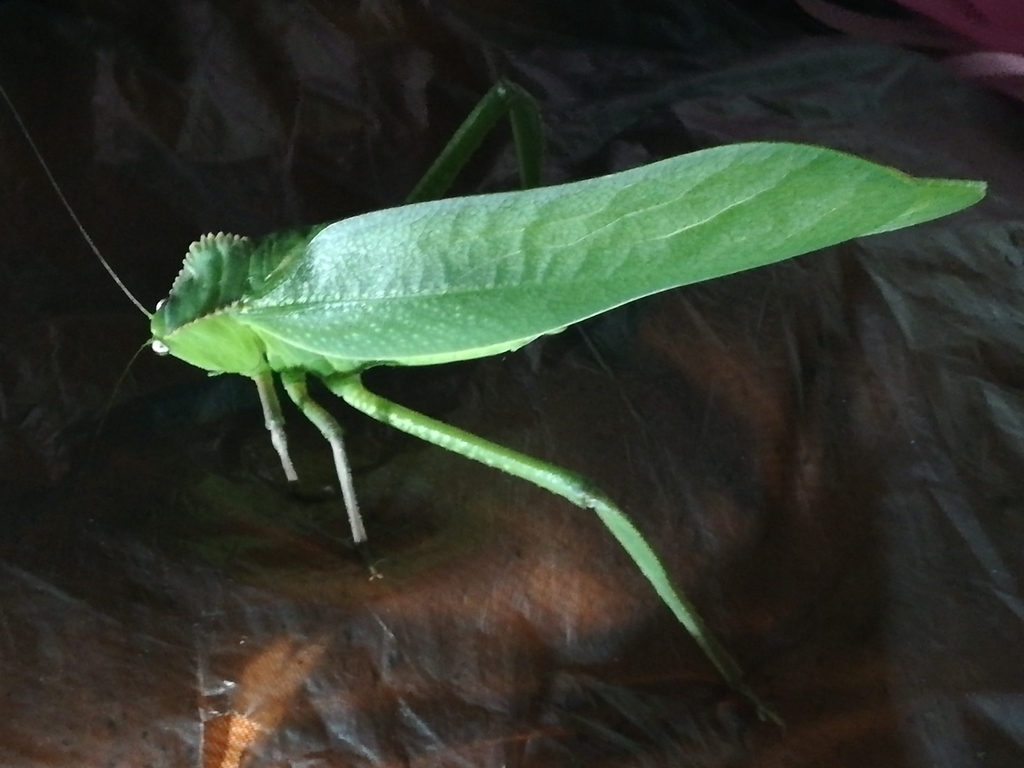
220, 272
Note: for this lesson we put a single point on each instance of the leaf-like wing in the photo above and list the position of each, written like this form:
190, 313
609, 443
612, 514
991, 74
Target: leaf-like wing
468, 277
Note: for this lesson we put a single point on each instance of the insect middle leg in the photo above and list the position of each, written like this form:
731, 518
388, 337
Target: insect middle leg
295, 386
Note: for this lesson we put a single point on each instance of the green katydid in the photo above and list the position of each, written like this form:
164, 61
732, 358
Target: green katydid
457, 279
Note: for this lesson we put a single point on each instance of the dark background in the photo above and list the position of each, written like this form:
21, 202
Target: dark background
827, 453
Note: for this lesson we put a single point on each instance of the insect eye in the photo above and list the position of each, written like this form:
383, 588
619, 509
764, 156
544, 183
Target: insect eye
160, 348
160, 303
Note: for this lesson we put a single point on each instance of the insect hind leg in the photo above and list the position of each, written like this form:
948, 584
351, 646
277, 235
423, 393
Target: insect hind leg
295, 386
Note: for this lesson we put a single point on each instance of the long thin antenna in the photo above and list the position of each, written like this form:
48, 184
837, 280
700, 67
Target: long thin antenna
67, 205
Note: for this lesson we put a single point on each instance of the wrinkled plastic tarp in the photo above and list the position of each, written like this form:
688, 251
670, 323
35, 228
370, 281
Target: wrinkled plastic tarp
828, 453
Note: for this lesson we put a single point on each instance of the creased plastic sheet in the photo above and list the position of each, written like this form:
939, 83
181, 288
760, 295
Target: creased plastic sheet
827, 453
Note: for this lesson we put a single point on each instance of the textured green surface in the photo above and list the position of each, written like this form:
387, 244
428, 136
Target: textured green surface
469, 277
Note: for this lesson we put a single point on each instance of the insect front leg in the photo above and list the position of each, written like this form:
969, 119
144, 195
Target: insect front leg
273, 417
295, 386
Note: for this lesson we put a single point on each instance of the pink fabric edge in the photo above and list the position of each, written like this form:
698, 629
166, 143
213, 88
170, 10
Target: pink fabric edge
996, 69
